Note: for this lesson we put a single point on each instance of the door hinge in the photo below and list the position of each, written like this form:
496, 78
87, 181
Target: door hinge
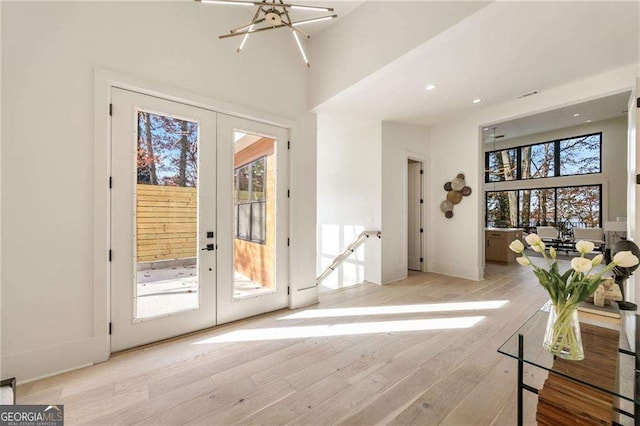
288, 242
638, 102
421, 172
288, 193
110, 110
421, 201
110, 255
421, 230
288, 144
421, 259
110, 329
110, 182
288, 290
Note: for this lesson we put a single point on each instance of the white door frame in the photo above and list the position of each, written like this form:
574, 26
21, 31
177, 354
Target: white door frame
104, 81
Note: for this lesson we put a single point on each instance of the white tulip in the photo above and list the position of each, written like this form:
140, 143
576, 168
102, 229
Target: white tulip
533, 239
516, 246
552, 252
597, 260
537, 249
580, 264
585, 247
523, 261
626, 259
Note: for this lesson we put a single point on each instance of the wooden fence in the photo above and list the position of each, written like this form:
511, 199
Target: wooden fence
166, 222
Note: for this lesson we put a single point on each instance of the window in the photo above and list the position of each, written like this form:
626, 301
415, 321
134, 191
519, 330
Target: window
502, 165
502, 209
577, 155
565, 207
537, 207
538, 161
250, 201
579, 206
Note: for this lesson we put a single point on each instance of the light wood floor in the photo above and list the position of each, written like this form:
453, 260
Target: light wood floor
451, 376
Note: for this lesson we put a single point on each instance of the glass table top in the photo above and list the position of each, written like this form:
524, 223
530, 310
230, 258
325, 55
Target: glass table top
534, 354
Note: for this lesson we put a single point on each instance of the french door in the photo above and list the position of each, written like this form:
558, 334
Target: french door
163, 217
199, 219
253, 218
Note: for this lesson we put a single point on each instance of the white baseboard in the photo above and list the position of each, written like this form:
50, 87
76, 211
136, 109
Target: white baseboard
41, 363
303, 297
456, 270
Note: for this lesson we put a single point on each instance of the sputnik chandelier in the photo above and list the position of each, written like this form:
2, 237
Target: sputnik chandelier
271, 15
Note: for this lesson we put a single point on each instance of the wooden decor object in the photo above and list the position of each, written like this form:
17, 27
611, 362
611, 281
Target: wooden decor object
562, 401
456, 189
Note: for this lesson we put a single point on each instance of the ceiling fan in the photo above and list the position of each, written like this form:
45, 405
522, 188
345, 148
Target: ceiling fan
271, 15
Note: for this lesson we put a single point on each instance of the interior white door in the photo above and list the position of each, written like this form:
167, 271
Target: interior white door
414, 222
253, 218
163, 208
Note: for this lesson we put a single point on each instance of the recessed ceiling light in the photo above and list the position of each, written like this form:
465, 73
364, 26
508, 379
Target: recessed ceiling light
588, 121
477, 101
576, 115
430, 86
485, 129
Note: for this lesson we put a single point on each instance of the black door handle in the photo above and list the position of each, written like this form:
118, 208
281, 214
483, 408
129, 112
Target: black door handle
209, 247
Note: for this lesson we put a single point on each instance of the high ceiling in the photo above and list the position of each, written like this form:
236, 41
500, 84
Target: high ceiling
497, 54
340, 8
592, 111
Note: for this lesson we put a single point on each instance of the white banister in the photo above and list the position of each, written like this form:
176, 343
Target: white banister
362, 237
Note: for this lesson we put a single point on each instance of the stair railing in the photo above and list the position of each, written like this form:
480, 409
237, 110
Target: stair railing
362, 237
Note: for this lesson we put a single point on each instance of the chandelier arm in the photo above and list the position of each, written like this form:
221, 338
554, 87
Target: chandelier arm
257, 3
288, 24
302, 33
244, 27
304, 55
239, 33
309, 21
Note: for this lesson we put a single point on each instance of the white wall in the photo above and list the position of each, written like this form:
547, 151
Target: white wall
399, 142
1, 187
614, 154
349, 198
362, 185
456, 148
49, 53
372, 36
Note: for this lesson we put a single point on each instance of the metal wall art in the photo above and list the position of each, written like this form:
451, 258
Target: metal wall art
456, 190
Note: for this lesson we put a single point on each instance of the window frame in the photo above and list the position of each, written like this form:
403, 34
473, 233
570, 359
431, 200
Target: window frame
555, 201
251, 202
556, 158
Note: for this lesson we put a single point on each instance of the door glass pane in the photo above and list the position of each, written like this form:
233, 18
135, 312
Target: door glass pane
254, 243
166, 216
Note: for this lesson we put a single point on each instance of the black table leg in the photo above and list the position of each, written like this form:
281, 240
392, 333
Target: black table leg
521, 378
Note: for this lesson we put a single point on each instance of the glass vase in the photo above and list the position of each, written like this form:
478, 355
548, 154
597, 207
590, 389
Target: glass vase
562, 335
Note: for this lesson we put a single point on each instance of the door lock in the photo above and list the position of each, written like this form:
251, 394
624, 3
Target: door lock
209, 247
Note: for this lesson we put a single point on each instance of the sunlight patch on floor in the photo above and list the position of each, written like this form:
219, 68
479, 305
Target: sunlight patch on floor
396, 309
303, 332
